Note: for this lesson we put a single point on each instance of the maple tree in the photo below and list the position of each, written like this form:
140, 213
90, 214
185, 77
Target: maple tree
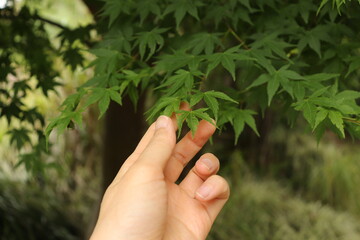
229, 60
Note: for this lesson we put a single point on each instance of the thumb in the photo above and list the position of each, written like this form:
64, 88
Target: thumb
161, 145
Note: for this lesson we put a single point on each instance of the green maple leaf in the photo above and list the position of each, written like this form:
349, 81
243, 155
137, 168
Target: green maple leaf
218, 14
354, 65
192, 122
113, 8
246, 3
180, 118
73, 58
211, 100
161, 105
192, 119
227, 60
347, 102
263, 78
181, 80
299, 90
151, 40
62, 122
204, 42
309, 111
261, 59
182, 7
272, 87
320, 116
336, 118
313, 39
171, 62
220, 95
241, 14
200, 114
305, 8
19, 137
325, 102
239, 118
147, 7
102, 96
72, 101
196, 98
100, 80
107, 60
119, 39
271, 43
212, 103
282, 77
320, 77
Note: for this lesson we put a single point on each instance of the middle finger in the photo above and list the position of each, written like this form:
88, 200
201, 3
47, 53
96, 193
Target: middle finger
187, 148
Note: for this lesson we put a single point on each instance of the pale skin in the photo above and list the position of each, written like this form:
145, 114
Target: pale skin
144, 202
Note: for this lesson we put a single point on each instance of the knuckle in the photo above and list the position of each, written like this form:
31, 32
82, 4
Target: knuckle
180, 157
163, 137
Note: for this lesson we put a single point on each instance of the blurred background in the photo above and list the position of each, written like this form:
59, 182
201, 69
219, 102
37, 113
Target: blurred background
284, 185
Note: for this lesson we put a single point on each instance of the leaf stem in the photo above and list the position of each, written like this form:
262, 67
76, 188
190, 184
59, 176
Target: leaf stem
241, 41
202, 82
353, 120
131, 62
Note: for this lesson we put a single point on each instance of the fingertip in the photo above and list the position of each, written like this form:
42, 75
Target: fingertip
161, 145
204, 192
208, 164
204, 165
214, 187
163, 122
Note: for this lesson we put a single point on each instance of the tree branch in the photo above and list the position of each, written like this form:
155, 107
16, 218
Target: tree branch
37, 17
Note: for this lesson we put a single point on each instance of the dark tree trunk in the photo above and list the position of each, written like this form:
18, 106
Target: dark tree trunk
122, 131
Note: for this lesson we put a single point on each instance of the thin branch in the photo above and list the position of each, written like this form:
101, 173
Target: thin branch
353, 120
37, 17
242, 42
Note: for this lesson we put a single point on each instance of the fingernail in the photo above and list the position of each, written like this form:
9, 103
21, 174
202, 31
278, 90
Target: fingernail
161, 122
207, 163
204, 191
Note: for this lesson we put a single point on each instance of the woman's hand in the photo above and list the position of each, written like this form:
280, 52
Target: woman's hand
144, 202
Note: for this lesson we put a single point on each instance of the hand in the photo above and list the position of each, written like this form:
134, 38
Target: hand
144, 202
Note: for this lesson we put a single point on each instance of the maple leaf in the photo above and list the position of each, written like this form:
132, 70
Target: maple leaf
151, 40
182, 7
227, 60
113, 8
204, 42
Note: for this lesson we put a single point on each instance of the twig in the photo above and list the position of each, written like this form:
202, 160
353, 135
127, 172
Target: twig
238, 38
353, 120
37, 17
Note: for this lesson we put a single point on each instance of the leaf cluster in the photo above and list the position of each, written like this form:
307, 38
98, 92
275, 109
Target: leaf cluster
27, 65
228, 60
231, 60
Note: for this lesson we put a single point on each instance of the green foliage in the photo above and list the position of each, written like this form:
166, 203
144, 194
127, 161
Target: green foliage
31, 213
230, 61
264, 210
293, 56
327, 172
27, 66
